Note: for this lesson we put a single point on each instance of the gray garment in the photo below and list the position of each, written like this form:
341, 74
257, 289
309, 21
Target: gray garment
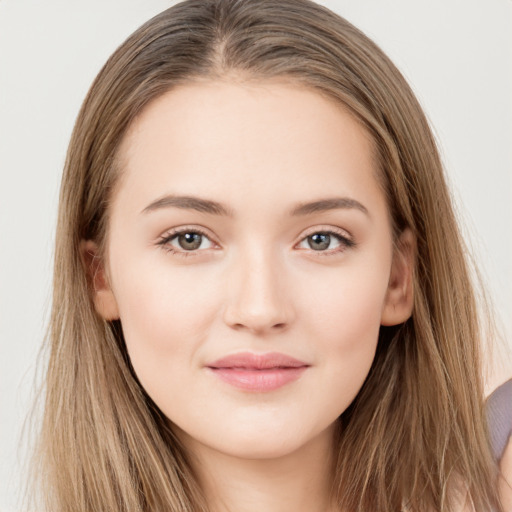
499, 416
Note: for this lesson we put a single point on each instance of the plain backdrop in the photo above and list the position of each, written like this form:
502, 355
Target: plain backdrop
457, 54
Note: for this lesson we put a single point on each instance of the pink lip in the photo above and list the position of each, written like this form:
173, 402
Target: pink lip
258, 372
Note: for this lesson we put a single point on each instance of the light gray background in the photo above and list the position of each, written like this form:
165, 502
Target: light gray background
457, 54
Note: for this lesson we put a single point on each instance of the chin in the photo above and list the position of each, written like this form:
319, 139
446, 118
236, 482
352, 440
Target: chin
259, 449
251, 444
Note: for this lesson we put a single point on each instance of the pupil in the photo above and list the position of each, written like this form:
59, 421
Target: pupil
319, 241
189, 241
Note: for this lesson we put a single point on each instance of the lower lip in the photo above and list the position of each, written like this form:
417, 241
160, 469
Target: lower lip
259, 380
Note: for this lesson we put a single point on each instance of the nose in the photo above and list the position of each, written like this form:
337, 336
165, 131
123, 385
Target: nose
258, 298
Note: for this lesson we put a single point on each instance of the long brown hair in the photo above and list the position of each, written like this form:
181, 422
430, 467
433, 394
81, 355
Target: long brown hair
417, 425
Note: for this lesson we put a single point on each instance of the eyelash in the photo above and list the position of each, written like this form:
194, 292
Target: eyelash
341, 236
164, 241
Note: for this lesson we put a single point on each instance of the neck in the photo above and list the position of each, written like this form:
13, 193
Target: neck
300, 481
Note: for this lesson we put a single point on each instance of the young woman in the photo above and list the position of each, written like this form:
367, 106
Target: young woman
261, 297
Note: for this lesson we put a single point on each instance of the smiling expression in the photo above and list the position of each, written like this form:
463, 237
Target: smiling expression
250, 260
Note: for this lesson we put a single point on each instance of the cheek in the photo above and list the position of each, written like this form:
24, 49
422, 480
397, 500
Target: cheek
344, 321
348, 308
165, 318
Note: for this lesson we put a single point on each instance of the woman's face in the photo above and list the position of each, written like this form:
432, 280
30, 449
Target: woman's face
250, 261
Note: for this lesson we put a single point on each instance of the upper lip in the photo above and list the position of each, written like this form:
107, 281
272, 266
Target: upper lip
251, 361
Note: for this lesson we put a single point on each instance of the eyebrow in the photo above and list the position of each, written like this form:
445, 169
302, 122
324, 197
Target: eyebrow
216, 208
332, 203
189, 203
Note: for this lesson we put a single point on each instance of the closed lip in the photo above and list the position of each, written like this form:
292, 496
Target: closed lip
259, 373
250, 361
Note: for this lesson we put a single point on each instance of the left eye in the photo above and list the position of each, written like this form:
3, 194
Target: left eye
323, 241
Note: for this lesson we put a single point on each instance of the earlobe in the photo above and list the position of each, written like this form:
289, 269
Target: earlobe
399, 299
100, 289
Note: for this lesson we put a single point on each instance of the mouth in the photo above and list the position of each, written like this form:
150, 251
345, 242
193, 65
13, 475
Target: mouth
258, 372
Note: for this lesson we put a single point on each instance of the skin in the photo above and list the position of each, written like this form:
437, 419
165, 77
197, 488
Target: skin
255, 284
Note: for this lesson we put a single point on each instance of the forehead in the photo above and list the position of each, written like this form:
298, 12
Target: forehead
235, 140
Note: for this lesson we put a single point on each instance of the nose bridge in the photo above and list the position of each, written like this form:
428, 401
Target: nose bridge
257, 299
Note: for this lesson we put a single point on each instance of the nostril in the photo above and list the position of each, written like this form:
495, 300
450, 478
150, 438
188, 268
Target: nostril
257, 328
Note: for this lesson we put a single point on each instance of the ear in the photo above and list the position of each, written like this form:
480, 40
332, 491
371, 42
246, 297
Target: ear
102, 294
399, 299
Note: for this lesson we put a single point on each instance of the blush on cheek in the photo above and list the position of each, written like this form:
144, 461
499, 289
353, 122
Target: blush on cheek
160, 325
349, 315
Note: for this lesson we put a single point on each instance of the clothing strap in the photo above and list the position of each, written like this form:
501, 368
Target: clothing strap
499, 417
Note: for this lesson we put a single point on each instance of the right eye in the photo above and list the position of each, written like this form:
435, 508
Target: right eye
185, 241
